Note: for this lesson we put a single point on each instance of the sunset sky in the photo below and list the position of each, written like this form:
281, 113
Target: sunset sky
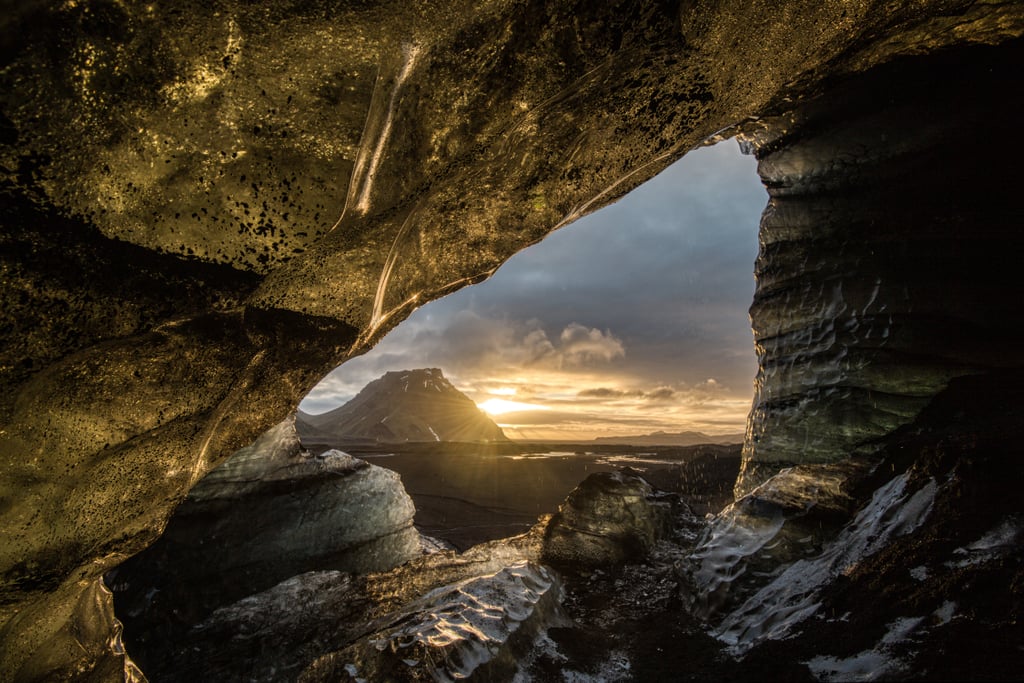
628, 321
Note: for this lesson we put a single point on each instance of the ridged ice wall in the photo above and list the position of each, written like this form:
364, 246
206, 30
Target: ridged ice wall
888, 255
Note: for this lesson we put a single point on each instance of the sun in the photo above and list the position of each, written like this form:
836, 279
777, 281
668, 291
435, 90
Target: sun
498, 406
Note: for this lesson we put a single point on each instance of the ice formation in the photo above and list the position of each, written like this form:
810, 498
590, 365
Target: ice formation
792, 596
479, 626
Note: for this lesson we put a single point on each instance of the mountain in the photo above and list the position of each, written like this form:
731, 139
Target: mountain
670, 439
403, 406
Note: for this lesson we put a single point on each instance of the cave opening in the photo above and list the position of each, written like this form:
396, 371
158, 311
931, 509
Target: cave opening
619, 340
618, 345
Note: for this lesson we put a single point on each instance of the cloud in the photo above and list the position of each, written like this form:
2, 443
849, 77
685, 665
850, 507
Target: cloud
581, 345
661, 393
475, 349
605, 392
472, 343
536, 418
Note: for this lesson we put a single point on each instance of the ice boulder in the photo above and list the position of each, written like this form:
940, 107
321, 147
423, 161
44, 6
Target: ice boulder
270, 512
610, 518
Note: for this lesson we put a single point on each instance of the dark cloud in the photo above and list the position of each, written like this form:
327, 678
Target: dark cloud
547, 418
657, 394
469, 342
605, 392
661, 394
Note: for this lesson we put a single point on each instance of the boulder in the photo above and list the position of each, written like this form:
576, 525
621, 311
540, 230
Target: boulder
270, 512
610, 518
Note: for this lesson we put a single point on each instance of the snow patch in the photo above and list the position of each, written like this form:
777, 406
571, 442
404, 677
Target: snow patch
351, 670
945, 613
883, 660
543, 646
994, 544
614, 669
870, 665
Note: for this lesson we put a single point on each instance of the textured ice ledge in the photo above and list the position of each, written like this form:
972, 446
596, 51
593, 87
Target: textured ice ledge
481, 625
793, 596
784, 519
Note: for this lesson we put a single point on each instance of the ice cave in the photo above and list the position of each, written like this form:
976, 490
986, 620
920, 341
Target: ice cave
209, 205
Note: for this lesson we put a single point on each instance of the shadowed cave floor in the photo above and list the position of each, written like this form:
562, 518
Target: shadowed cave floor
930, 605
969, 605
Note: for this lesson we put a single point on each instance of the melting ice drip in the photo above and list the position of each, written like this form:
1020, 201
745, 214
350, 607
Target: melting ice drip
364, 172
377, 316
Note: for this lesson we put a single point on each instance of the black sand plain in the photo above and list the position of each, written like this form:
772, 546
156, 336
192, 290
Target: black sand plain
469, 493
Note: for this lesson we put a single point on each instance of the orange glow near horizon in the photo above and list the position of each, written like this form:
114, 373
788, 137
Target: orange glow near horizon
499, 406
574, 405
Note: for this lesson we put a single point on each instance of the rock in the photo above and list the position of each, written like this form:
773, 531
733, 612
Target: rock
610, 518
474, 629
400, 407
270, 512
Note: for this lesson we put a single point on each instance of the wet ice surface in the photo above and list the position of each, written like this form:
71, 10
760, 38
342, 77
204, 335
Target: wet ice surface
785, 519
731, 537
451, 632
790, 598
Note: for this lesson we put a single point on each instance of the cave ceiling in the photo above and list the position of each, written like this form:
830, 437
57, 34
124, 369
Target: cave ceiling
317, 145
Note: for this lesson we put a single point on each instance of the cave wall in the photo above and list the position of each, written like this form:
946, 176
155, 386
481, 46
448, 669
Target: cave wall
209, 205
889, 253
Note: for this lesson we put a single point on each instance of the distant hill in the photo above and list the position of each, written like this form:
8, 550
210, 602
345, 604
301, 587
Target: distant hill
670, 439
402, 407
